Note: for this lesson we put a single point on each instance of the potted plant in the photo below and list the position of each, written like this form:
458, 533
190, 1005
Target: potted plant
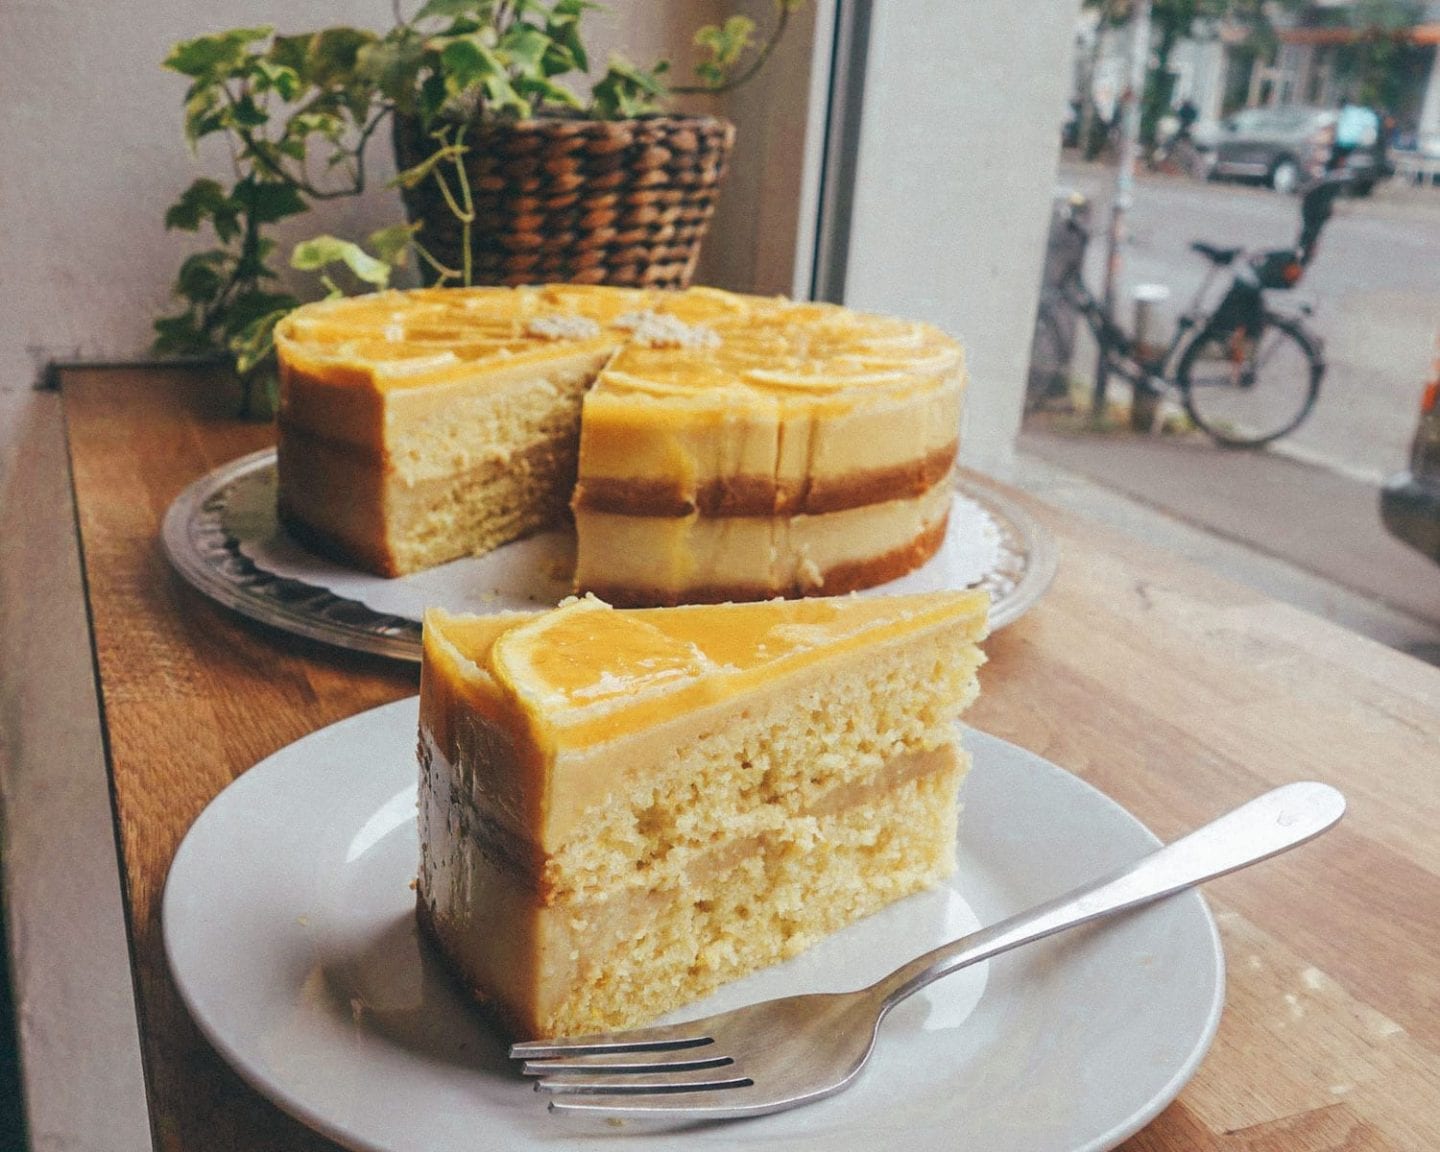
507, 173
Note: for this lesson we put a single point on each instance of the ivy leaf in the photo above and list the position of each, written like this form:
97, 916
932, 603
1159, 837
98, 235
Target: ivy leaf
626, 91
392, 244
247, 114
392, 65
319, 253
253, 343
200, 119
468, 61
481, 11
282, 79
290, 52
541, 90
325, 124
201, 276
333, 54
214, 56
724, 44
567, 50
198, 203
525, 45
503, 97
268, 201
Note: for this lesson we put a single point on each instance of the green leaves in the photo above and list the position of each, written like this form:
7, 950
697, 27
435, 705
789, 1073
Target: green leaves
502, 66
201, 277
215, 57
287, 104
470, 64
320, 253
478, 11
626, 91
266, 201
392, 244
724, 45
203, 200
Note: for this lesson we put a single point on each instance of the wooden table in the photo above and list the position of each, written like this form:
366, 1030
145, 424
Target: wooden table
1174, 692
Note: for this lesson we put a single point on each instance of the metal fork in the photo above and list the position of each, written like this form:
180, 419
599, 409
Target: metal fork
782, 1053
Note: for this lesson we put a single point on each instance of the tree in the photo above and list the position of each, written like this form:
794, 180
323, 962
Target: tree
1173, 20
1374, 66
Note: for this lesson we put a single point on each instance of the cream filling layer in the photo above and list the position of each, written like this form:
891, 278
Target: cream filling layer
672, 554
685, 443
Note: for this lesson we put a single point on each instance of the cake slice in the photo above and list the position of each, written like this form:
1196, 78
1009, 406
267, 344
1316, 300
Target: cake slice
418, 427
622, 809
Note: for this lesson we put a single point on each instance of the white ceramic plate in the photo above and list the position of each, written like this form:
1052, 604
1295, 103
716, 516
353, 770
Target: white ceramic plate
221, 534
289, 925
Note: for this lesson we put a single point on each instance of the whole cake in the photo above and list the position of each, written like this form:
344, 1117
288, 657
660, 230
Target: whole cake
622, 809
712, 446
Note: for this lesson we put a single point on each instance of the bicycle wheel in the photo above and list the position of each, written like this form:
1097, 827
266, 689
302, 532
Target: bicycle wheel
1048, 383
1245, 393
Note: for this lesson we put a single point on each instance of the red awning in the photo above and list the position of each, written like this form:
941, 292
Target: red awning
1327, 37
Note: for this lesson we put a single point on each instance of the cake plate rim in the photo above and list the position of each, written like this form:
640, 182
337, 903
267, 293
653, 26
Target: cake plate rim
207, 555
348, 1040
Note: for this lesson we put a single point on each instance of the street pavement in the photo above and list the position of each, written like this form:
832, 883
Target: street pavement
1300, 520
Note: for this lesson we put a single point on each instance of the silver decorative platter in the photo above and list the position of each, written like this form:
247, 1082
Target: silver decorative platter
223, 555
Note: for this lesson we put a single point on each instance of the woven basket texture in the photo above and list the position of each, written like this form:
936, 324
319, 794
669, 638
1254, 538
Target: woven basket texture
622, 202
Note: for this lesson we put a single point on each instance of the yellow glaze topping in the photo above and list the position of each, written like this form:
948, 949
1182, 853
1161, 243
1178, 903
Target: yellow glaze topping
587, 673
702, 342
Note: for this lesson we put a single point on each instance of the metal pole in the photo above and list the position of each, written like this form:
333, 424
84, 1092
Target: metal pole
1124, 172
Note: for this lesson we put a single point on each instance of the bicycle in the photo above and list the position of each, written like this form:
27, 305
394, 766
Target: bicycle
1245, 374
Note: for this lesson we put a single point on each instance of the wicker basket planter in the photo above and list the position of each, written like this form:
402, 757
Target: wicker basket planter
622, 202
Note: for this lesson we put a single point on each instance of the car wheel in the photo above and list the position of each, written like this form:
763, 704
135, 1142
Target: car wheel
1285, 175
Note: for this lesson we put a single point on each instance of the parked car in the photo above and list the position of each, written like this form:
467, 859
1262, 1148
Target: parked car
1285, 146
1410, 500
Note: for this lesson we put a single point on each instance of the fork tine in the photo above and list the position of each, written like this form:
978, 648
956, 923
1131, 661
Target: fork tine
664, 1082
669, 1059
635, 1040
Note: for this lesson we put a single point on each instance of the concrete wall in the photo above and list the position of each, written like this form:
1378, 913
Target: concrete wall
959, 144
763, 233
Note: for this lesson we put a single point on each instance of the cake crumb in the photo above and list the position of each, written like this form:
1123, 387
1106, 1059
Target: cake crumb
659, 331
557, 326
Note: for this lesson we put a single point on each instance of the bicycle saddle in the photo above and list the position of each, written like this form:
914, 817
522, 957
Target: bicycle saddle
1215, 255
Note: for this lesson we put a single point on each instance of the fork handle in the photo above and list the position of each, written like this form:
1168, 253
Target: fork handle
1255, 831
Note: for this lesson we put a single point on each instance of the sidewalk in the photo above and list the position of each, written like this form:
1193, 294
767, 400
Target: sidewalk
1057, 480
